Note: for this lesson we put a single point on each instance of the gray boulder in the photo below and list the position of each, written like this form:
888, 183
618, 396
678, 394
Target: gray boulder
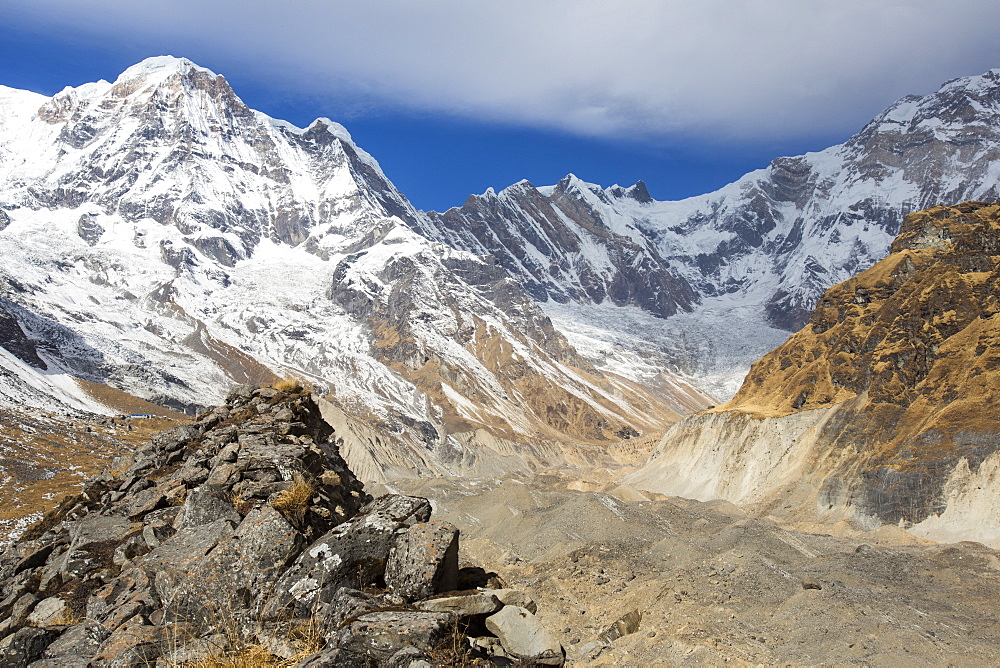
517, 598
202, 507
467, 604
347, 603
423, 561
524, 637
232, 576
79, 642
353, 554
379, 635
93, 540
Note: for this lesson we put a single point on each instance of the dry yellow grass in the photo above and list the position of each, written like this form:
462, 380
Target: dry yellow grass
293, 498
45, 457
288, 385
254, 656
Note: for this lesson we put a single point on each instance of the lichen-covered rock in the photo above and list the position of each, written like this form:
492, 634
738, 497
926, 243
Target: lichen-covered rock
133, 645
466, 604
424, 561
25, 646
77, 642
48, 612
354, 554
379, 635
334, 657
346, 603
229, 580
201, 507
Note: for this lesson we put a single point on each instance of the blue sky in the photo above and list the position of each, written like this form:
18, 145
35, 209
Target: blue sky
453, 97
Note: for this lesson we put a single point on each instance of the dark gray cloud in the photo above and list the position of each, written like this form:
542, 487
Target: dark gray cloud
738, 69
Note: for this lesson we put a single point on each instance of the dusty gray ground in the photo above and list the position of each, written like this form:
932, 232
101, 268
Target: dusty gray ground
715, 585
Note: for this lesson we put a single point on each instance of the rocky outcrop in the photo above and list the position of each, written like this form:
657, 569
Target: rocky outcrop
14, 340
243, 535
882, 404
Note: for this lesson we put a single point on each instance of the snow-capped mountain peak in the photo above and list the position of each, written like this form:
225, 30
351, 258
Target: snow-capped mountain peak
761, 249
162, 237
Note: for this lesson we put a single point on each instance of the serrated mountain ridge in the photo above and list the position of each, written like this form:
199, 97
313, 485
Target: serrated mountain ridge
760, 250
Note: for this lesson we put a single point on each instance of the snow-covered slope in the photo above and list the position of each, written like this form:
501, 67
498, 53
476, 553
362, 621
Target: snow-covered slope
753, 256
161, 237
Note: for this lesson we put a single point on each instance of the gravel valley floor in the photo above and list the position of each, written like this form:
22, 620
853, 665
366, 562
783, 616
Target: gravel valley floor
714, 585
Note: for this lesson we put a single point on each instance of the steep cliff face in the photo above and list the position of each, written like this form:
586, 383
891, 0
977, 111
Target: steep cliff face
885, 402
161, 237
562, 245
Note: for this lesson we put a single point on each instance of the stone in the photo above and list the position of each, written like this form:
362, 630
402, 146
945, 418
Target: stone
48, 612
468, 604
409, 657
516, 597
240, 394
423, 561
144, 502
172, 439
81, 641
201, 507
230, 578
381, 634
334, 657
346, 603
192, 474
132, 646
192, 651
93, 540
154, 565
155, 535
628, 623
353, 554
118, 615
524, 637
223, 473
25, 646
187, 546
19, 612
34, 559
134, 546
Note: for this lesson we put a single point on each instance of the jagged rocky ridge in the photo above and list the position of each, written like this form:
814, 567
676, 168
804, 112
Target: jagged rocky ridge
162, 238
246, 531
882, 407
754, 255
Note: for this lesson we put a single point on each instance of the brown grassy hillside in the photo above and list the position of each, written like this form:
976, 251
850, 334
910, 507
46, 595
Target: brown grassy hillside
916, 339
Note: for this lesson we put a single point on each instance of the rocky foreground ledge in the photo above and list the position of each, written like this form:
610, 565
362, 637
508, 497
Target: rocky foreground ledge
244, 539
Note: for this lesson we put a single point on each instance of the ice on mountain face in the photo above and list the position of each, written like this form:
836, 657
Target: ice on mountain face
711, 347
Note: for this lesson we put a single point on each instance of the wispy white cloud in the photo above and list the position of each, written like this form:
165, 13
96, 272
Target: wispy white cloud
739, 69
